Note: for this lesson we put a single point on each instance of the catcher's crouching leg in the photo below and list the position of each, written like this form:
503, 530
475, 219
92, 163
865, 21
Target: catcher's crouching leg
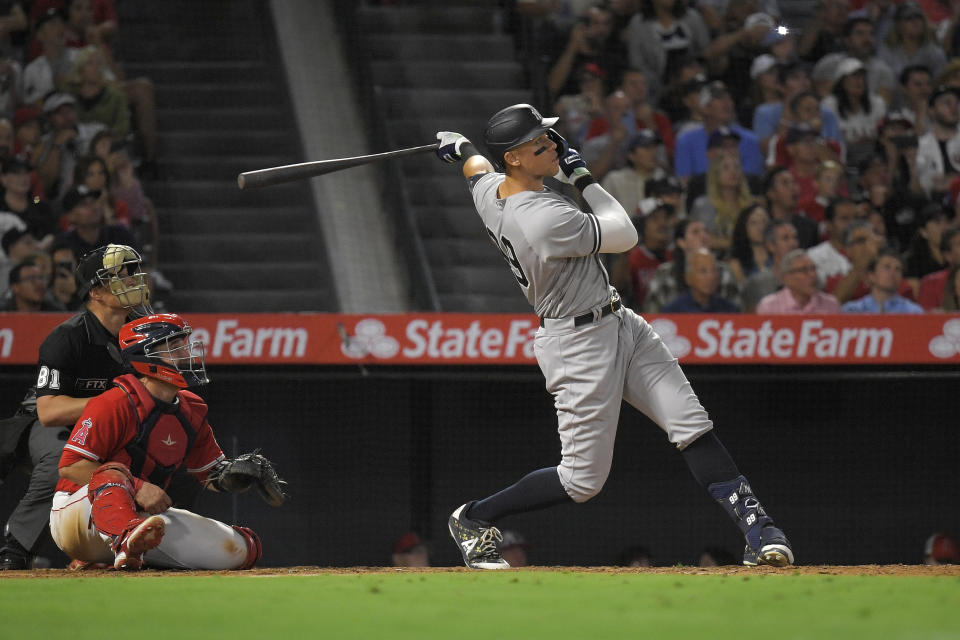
111, 491
254, 549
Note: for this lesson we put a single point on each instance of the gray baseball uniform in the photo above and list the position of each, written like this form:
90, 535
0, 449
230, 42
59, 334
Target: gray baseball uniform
590, 363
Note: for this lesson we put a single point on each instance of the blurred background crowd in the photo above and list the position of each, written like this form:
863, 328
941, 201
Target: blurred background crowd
76, 137
779, 156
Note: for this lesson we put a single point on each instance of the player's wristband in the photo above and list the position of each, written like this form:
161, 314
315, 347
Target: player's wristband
467, 150
137, 485
583, 182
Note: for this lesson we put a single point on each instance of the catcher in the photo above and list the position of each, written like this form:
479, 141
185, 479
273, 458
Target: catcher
110, 506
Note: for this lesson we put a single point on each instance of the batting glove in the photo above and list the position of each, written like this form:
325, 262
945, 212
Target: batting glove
449, 147
572, 167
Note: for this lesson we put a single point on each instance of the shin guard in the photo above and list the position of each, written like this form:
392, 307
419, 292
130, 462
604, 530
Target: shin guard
111, 491
737, 499
254, 550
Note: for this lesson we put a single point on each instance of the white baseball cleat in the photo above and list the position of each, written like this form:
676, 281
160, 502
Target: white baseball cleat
145, 536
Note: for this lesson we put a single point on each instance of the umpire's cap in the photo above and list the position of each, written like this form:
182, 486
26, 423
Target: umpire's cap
511, 127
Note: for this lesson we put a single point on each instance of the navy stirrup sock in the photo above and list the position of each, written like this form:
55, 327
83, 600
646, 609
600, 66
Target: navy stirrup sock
536, 490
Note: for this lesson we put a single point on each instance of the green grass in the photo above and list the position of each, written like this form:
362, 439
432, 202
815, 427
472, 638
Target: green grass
459, 605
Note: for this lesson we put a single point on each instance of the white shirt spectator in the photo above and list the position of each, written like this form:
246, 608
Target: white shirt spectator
829, 261
930, 159
39, 78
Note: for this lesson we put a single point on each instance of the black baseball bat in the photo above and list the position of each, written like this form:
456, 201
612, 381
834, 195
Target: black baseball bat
290, 172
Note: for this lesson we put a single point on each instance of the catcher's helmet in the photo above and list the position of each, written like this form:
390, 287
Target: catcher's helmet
157, 346
511, 127
118, 268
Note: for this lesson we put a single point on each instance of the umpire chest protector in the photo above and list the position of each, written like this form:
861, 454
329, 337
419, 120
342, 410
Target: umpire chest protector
165, 431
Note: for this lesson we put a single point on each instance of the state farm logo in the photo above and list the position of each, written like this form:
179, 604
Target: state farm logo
667, 330
369, 338
947, 345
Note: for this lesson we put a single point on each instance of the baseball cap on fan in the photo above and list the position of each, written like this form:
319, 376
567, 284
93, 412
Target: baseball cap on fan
721, 135
76, 195
56, 100
715, 89
762, 64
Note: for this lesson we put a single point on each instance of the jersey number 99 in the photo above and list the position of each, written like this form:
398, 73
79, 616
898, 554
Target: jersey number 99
506, 250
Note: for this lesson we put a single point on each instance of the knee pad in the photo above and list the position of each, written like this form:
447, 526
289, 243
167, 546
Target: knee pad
254, 549
111, 491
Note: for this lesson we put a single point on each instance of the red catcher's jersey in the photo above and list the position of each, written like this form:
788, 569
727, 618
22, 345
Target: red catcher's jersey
109, 422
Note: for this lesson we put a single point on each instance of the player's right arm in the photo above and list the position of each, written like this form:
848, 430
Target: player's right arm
454, 147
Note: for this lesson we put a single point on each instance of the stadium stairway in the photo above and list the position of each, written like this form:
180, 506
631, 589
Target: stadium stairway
223, 108
445, 66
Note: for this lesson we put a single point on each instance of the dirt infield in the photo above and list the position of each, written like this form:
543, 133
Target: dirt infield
854, 570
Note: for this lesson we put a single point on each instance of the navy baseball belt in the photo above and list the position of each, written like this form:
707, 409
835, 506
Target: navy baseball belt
597, 314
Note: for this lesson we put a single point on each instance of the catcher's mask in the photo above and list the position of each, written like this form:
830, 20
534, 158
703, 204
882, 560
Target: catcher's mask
158, 346
117, 268
509, 128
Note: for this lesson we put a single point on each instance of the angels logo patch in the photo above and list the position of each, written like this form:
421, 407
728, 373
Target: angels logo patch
80, 437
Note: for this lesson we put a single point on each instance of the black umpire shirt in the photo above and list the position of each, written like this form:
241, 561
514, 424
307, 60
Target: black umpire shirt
79, 358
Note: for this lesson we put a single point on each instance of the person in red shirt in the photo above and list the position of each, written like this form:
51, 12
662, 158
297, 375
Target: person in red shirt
111, 504
933, 285
633, 271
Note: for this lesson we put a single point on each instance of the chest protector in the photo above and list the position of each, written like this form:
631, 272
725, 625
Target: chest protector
150, 414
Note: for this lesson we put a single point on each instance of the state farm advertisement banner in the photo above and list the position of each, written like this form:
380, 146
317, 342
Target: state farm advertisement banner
477, 339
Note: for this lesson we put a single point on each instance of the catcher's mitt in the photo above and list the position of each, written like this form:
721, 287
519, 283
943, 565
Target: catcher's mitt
250, 470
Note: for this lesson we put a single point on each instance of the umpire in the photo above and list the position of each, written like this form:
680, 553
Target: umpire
77, 361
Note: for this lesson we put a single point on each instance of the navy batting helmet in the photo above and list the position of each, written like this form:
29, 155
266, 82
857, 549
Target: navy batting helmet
158, 346
511, 127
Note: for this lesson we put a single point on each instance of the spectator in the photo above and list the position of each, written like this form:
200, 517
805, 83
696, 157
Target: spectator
691, 153
64, 285
28, 289
127, 192
884, 277
82, 208
899, 144
409, 551
805, 151
670, 278
829, 184
687, 113
62, 145
781, 191
591, 40
576, 111
771, 121
661, 36
764, 86
951, 291
824, 33
607, 149
800, 293
748, 252
724, 142
861, 244
941, 549
938, 153
16, 244
900, 209
634, 86
13, 27
91, 171
98, 101
668, 189
52, 68
915, 90
857, 108
11, 80
703, 282
514, 549
828, 256
910, 41
727, 194
806, 113
716, 557
633, 270
934, 285
627, 185
859, 43
923, 256
26, 135
779, 238
731, 55
17, 199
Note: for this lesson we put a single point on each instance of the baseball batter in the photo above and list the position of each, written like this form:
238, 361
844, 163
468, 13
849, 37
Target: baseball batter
111, 506
592, 351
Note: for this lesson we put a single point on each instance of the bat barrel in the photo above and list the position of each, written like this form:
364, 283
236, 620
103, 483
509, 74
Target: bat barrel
290, 172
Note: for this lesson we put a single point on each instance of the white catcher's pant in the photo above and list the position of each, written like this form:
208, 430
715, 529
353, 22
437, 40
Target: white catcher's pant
189, 542
589, 370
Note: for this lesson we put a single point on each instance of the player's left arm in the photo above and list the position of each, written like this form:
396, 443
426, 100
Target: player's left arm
454, 147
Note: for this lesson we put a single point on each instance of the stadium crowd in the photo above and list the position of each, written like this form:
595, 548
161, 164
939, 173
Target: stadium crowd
802, 158
76, 137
